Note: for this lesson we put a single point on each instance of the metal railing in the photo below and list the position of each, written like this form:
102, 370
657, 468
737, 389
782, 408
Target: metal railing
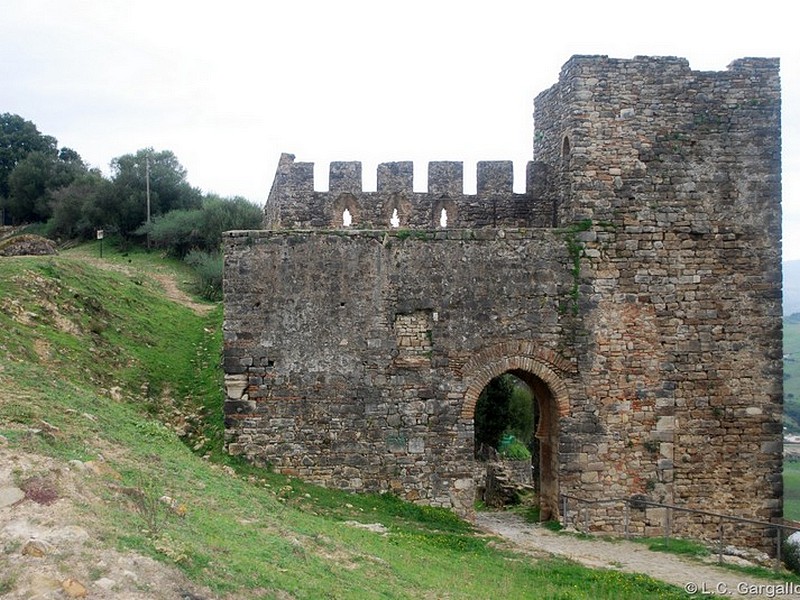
639, 502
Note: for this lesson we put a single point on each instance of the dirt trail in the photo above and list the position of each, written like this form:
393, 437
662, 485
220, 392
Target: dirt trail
174, 293
698, 579
166, 280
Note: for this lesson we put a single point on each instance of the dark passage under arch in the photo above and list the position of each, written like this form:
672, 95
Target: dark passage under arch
542, 445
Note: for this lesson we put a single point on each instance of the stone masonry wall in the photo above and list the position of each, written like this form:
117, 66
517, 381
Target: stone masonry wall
679, 172
635, 286
345, 367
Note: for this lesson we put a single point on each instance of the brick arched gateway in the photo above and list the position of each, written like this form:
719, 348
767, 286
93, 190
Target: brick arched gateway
505, 357
539, 370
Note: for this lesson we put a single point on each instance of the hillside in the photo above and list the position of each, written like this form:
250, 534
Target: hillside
110, 423
791, 345
791, 287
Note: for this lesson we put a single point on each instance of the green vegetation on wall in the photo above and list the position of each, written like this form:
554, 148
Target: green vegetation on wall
575, 250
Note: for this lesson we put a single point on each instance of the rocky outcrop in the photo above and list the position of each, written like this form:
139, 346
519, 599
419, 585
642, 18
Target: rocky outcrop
27, 245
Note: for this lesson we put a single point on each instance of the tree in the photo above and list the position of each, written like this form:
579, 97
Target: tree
18, 138
33, 180
77, 209
226, 214
180, 231
504, 406
520, 413
169, 189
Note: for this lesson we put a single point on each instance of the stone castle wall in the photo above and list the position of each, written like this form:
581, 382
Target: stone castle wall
355, 375
635, 286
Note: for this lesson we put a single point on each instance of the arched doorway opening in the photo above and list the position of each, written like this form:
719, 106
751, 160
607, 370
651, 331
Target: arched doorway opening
543, 371
517, 410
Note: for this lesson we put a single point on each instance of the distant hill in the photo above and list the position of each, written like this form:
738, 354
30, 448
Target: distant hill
791, 287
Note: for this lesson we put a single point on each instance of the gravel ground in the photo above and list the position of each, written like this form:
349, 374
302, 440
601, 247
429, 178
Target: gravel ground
697, 578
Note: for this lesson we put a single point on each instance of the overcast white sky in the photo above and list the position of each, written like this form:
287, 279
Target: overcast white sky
230, 85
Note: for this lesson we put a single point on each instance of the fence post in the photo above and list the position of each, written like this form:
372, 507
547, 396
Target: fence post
564, 510
627, 520
779, 548
586, 518
666, 526
721, 536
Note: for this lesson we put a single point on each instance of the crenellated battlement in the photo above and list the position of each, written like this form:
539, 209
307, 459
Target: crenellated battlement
295, 204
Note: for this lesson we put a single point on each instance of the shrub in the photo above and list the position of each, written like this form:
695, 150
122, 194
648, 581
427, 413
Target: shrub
791, 556
516, 450
208, 268
183, 230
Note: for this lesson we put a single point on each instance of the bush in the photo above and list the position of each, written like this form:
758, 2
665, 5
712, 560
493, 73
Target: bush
791, 556
77, 209
516, 450
178, 231
181, 231
208, 268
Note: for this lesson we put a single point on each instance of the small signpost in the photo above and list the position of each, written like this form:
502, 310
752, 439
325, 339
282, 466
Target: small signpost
100, 234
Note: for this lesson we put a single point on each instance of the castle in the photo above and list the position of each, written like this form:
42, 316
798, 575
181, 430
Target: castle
635, 287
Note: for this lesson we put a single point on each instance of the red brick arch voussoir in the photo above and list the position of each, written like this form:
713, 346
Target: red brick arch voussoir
512, 356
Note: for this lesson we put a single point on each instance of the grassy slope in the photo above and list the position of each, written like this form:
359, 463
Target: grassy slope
103, 357
791, 368
791, 490
791, 394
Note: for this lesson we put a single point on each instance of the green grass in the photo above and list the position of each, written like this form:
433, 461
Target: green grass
674, 546
791, 372
791, 490
102, 356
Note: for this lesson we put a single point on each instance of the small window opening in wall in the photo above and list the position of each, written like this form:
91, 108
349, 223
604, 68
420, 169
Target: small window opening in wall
347, 218
443, 218
565, 151
395, 220
270, 363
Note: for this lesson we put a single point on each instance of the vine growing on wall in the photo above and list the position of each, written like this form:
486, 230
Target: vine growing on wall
575, 251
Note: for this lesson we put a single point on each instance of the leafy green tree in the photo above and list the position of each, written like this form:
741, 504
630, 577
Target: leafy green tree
180, 231
77, 208
520, 413
35, 178
169, 189
504, 406
18, 138
227, 214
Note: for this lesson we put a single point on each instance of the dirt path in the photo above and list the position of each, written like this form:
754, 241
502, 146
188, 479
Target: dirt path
174, 293
698, 579
166, 280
